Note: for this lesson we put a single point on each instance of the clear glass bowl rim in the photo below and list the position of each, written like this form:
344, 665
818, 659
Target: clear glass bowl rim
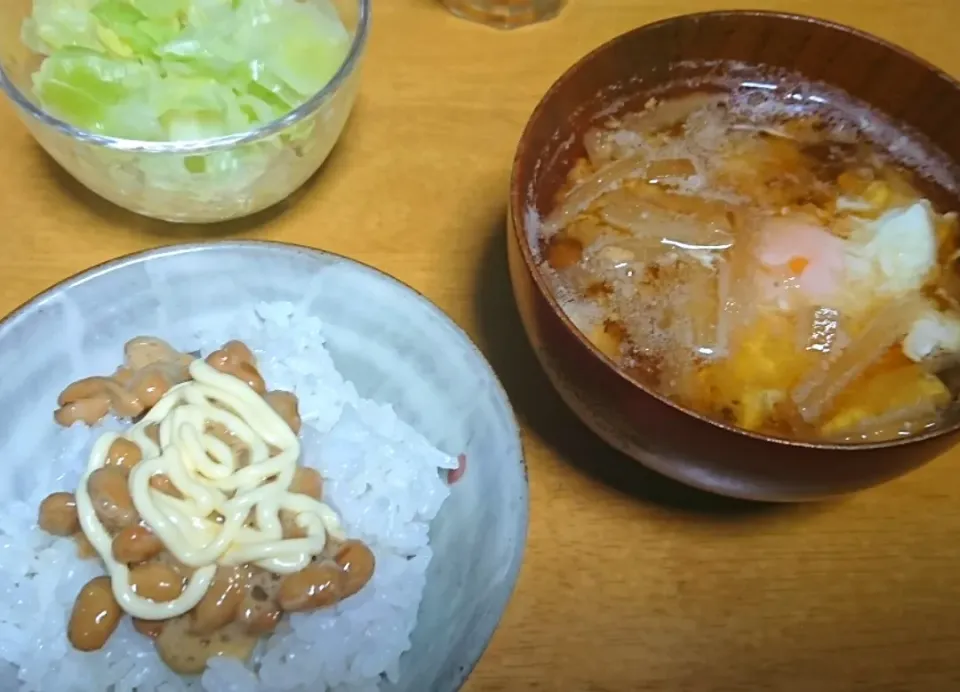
211, 144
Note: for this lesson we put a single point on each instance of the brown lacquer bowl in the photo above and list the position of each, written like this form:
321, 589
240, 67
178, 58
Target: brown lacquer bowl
619, 76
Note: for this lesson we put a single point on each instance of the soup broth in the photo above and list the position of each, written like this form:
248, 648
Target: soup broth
766, 260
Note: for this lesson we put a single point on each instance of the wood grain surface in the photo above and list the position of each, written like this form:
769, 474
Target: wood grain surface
630, 582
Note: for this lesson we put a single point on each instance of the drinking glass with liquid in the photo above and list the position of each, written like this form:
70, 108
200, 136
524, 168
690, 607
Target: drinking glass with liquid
505, 14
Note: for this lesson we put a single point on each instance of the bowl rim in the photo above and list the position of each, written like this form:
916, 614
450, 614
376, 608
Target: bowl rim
519, 200
521, 531
209, 144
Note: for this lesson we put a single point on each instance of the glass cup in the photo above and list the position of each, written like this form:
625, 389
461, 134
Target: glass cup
505, 14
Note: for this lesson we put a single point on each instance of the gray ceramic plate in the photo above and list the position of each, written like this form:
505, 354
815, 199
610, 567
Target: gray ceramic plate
389, 340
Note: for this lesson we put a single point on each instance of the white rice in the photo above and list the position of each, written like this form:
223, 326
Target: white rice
381, 476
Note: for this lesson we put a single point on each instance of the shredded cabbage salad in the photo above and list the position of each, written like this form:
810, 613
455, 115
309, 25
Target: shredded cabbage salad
173, 70
181, 69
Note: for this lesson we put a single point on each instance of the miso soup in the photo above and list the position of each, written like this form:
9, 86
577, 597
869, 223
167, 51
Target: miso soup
777, 262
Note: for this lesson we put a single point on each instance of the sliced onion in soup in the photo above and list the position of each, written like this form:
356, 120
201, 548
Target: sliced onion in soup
665, 114
818, 388
590, 189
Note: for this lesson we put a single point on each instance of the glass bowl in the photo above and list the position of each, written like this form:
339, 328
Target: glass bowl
199, 181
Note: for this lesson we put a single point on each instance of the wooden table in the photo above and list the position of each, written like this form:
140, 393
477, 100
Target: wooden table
631, 582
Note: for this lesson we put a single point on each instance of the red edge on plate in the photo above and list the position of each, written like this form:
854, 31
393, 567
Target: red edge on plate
456, 474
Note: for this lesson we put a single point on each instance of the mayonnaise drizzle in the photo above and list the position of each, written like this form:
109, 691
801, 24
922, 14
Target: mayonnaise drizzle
207, 473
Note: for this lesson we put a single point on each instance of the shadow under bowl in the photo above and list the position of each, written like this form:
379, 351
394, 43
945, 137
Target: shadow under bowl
620, 77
